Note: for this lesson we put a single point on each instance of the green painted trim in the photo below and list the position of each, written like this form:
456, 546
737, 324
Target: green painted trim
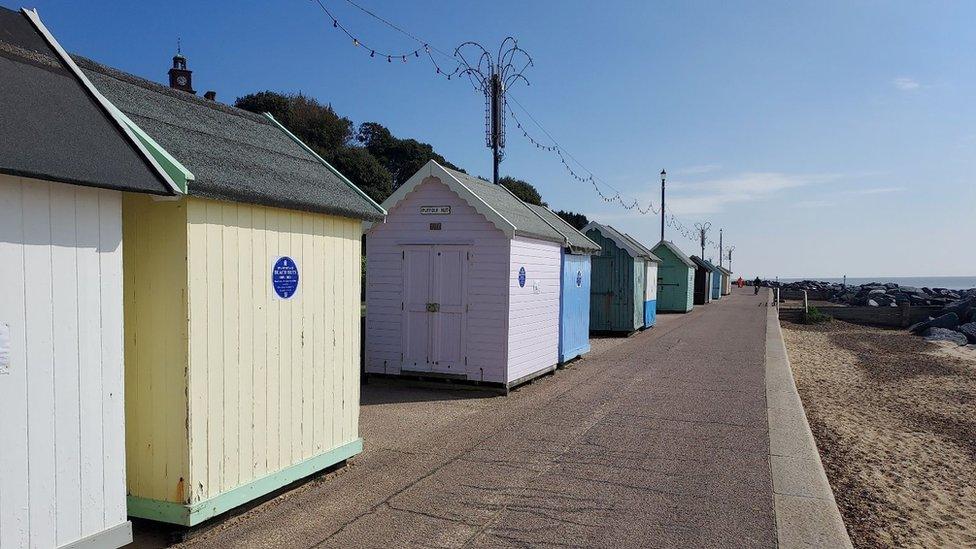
324, 163
193, 514
178, 172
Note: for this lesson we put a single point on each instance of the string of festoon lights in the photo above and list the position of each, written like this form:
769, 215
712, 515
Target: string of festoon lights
389, 56
580, 174
588, 177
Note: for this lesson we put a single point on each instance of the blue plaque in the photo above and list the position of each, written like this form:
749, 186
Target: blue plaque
522, 277
284, 277
579, 279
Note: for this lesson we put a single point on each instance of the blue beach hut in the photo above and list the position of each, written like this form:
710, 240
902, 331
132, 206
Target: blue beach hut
716, 281
574, 291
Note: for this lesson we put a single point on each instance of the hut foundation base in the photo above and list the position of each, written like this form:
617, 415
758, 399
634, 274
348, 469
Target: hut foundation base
196, 513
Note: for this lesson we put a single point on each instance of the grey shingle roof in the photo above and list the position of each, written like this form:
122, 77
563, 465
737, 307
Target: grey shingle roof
52, 127
577, 241
234, 154
676, 251
701, 263
527, 223
642, 247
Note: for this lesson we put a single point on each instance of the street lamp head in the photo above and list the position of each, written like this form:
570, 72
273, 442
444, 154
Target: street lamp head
663, 174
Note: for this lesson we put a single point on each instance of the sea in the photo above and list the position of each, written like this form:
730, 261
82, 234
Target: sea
949, 282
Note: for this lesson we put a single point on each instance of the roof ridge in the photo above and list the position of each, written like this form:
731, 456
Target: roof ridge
145, 83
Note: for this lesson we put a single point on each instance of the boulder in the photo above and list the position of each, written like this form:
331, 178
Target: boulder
960, 307
872, 303
968, 330
950, 320
878, 291
945, 334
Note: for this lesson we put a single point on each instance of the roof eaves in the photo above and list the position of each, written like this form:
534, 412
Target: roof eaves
107, 107
565, 240
510, 229
326, 164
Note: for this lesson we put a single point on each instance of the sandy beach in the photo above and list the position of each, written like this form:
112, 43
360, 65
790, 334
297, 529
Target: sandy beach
895, 421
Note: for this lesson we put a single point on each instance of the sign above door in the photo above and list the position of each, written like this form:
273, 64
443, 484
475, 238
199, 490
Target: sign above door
435, 210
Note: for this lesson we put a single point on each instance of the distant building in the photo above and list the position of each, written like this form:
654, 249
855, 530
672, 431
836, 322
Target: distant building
619, 287
703, 281
676, 279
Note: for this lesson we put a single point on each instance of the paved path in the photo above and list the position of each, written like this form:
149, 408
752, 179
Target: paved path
657, 440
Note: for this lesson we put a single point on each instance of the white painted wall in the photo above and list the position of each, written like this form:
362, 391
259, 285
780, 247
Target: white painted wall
62, 468
533, 318
650, 293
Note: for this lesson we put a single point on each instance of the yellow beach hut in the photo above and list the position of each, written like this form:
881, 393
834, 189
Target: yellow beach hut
242, 306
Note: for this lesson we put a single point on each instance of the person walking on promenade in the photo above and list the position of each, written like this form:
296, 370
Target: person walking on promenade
755, 285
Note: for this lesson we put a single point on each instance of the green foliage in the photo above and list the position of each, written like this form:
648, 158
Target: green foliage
382, 162
363, 169
522, 189
314, 123
814, 316
577, 220
402, 157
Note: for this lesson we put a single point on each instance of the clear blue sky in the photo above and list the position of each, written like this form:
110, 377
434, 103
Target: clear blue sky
827, 138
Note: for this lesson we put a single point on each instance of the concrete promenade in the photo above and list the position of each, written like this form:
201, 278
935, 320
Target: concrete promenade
657, 440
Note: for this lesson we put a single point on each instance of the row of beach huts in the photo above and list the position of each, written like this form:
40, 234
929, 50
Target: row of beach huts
180, 314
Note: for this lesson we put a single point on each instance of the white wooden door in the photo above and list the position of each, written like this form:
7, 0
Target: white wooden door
417, 284
450, 290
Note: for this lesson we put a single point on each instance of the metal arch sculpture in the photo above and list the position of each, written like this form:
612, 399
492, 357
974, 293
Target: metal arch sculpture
492, 76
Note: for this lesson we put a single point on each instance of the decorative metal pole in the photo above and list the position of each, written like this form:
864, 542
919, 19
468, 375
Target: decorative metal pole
664, 174
492, 76
702, 231
720, 247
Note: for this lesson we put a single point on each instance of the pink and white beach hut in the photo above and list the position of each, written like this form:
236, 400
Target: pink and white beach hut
462, 282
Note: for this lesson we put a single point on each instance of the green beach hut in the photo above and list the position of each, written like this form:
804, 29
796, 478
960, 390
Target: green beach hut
675, 279
617, 281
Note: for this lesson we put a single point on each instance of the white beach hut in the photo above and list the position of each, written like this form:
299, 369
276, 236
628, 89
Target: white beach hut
463, 282
65, 162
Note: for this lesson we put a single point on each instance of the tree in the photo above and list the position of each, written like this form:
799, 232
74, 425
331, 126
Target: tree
577, 220
363, 169
314, 123
522, 189
402, 157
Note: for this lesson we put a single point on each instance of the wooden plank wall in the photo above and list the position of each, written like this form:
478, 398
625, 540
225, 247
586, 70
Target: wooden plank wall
157, 455
271, 382
61, 275
533, 318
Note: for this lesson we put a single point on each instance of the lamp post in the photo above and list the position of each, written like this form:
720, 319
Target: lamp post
664, 174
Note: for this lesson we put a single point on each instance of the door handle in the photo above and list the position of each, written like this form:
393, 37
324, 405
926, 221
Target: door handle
433, 307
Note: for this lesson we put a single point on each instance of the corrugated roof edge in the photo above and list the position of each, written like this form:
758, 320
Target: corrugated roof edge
565, 240
594, 248
616, 237
683, 257
107, 107
473, 199
327, 165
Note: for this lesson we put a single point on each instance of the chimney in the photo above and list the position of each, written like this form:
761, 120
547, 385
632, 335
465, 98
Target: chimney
211, 95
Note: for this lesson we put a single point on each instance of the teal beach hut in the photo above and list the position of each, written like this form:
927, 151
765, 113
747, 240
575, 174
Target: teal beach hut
675, 279
651, 263
618, 281
574, 291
